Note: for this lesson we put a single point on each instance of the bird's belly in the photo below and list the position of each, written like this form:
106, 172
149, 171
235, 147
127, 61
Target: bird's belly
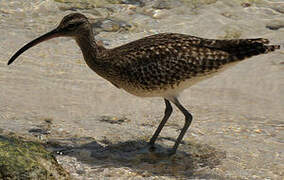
173, 89
164, 90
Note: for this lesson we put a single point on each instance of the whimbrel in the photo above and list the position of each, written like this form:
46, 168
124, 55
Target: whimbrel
160, 65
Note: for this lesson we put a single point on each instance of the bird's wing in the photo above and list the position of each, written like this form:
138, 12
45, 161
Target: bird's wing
170, 58
177, 46
166, 59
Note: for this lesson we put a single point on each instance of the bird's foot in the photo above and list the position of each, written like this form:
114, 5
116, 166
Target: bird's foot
160, 151
152, 148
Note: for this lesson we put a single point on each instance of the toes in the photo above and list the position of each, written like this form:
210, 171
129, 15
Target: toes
152, 148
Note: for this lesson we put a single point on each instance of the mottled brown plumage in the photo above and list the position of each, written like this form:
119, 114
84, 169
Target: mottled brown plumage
158, 65
155, 64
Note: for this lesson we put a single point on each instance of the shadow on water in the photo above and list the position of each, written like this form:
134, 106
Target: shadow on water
190, 160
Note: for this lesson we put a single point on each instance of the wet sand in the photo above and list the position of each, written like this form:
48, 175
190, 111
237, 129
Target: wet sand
98, 130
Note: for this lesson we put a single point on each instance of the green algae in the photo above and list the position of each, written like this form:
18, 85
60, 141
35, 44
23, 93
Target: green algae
27, 160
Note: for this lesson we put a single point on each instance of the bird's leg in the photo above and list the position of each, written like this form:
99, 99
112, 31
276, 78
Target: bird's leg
188, 119
168, 112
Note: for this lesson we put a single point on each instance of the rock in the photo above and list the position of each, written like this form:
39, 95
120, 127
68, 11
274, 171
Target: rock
197, 4
246, 4
133, 2
163, 4
279, 7
96, 3
111, 25
275, 25
27, 160
158, 14
75, 5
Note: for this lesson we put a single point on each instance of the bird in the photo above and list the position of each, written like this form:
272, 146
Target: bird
159, 65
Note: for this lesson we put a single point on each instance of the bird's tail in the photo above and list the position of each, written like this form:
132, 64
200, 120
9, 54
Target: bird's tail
240, 49
245, 48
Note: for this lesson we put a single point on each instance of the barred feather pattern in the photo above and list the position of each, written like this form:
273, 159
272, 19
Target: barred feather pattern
175, 61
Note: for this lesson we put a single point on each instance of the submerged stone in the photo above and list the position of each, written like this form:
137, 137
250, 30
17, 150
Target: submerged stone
27, 160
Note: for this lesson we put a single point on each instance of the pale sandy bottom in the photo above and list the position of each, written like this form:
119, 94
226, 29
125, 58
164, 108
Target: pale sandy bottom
237, 131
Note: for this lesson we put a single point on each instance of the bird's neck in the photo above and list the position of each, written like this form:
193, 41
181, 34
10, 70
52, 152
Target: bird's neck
88, 46
91, 51
94, 55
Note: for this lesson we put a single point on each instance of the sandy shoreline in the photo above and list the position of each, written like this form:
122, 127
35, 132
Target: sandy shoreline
238, 115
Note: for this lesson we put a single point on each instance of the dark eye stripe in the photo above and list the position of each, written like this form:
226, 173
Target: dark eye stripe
71, 26
76, 24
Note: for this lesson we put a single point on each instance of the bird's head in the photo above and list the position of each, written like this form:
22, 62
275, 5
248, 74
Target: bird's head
73, 25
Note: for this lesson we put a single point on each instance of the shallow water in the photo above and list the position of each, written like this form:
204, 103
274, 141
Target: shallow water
238, 113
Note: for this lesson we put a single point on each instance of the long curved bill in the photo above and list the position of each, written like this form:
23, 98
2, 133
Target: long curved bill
52, 34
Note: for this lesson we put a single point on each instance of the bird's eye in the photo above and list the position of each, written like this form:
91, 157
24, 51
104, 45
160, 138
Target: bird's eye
71, 26
74, 25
